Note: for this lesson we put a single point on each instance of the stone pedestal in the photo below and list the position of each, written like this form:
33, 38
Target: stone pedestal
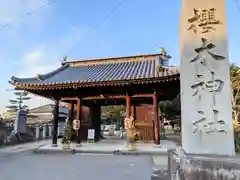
37, 132
207, 125
184, 166
49, 130
44, 132
20, 124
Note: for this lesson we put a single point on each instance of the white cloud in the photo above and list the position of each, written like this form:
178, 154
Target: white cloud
42, 58
38, 61
47, 57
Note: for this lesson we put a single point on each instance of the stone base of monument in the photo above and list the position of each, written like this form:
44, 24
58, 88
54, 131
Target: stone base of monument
16, 137
182, 166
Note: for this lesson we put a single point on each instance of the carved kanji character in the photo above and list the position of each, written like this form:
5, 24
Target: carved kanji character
203, 19
202, 125
216, 125
197, 124
213, 86
206, 47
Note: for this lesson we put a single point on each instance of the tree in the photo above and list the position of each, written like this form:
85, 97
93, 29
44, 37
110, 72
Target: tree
113, 112
170, 108
18, 103
235, 84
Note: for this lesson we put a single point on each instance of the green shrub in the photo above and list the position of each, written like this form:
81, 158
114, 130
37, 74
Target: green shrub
237, 138
67, 134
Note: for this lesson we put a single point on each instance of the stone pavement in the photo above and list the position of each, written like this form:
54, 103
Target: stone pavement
155, 154
23, 147
116, 147
25, 165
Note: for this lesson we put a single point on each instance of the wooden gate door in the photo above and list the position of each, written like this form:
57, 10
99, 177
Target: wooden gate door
144, 122
85, 123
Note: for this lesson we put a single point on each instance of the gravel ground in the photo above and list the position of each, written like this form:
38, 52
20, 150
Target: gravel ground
24, 166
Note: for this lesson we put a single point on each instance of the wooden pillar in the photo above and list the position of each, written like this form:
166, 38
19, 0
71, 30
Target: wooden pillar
70, 112
96, 120
78, 116
69, 109
133, 110
155, 118
55, 123
128, 106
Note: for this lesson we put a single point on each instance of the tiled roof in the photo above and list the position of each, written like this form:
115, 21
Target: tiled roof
48, 108
102, 71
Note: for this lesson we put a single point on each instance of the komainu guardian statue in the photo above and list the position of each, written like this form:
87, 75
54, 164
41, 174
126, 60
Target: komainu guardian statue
131, 133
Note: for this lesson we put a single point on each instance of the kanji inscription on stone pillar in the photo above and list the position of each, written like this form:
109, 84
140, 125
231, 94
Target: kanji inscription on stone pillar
207, 126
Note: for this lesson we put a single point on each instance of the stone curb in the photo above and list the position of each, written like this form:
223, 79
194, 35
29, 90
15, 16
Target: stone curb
113, 152
47, 151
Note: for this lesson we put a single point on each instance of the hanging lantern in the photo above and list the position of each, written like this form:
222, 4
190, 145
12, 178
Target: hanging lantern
76, 124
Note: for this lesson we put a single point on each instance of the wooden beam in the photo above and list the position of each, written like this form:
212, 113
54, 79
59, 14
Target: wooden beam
69, 99
109, 97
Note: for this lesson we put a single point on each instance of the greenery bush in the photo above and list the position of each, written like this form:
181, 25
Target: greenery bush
67, 134
237, 138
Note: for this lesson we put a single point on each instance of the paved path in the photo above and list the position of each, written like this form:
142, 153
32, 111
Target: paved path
23, 147
25, 165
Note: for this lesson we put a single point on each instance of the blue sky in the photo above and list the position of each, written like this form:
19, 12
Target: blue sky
75, 28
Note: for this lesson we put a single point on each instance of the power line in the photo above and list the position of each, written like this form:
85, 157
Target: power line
118, 5
24, 1
112, 12
237, 4
29, 13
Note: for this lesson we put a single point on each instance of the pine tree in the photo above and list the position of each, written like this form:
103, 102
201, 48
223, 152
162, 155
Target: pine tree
18, 103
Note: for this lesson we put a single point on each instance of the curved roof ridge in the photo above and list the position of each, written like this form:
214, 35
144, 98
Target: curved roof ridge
88, 62
41, 76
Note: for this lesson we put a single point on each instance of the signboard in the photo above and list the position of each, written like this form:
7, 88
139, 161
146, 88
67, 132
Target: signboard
76, 124
91, 134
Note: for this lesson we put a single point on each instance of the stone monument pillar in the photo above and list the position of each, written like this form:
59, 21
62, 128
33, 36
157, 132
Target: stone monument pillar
207, 126
20, 124
206, 110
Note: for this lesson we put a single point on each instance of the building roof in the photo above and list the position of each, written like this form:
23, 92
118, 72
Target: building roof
105, 70
48, 108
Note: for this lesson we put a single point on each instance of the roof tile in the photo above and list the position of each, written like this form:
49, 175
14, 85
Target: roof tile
112, 71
